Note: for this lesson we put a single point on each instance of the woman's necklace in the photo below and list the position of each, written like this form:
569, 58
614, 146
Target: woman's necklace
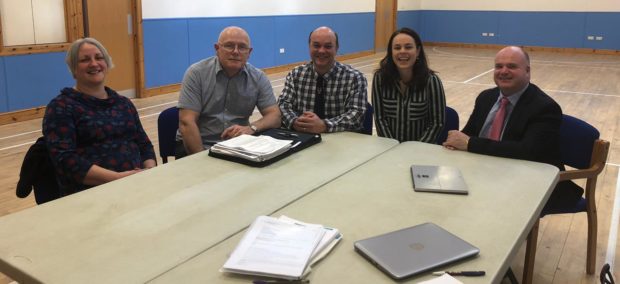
403, 87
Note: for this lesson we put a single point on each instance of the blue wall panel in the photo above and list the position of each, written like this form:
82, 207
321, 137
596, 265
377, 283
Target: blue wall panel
171, 45
356, 32
553, 29
33, 80
203, 34
410, 19
459, 26
166, 51
605, 25
4, 99
292, 34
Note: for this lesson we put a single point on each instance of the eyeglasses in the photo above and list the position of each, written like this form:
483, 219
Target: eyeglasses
230, 47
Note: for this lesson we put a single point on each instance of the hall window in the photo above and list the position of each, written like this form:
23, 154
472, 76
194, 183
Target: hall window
36, 26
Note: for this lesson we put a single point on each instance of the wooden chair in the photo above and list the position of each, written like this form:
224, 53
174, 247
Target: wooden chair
606, 277
582, 150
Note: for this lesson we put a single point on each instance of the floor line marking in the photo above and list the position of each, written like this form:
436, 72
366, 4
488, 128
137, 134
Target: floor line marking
362, 66
584, 93
141, 117
20, 134
154, 106
140, 109
280, 85
445, 53
615, 66
478, 76
546, 90
16, 146
612, 239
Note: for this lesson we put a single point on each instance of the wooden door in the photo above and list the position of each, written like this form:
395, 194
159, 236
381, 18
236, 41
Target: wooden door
111, 22
385, 22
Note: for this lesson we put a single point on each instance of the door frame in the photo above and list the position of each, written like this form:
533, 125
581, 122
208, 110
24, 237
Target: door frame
138, 48
136, 25
394, 21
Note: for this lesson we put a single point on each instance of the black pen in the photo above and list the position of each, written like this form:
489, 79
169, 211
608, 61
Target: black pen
303, 281
460, 273
287, 134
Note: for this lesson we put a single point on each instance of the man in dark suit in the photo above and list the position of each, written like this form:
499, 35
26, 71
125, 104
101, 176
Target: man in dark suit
516, 120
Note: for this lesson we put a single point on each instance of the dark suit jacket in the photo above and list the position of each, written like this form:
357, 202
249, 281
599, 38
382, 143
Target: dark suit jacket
531, 133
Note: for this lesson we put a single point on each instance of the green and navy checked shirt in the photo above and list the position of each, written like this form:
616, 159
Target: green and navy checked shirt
345, 96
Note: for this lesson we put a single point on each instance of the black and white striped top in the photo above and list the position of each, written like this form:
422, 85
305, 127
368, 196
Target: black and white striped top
419, 115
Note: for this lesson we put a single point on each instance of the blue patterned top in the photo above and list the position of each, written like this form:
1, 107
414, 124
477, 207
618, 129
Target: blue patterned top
81, 131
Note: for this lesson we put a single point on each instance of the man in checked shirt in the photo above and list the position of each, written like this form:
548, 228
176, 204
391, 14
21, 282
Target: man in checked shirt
323, 95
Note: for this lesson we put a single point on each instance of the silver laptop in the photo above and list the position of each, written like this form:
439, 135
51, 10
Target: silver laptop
414, 250
442, 179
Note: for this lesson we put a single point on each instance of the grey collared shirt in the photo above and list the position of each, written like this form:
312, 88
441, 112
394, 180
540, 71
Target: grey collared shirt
512, 101
220, 100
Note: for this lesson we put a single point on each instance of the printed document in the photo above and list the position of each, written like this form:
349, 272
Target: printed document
253, 148
275, 248
331, 237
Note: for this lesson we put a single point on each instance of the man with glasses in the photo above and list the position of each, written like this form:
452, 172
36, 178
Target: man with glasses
218, 95
323, 95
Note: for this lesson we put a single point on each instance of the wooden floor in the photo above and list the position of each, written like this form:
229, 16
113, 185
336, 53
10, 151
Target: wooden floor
585, 85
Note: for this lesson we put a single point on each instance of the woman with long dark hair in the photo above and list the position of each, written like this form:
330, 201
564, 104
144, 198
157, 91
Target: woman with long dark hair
408, 96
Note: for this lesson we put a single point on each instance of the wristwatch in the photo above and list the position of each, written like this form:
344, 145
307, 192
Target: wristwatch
254, 128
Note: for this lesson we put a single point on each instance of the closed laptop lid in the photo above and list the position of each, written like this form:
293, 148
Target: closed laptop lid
414, 250
442, 179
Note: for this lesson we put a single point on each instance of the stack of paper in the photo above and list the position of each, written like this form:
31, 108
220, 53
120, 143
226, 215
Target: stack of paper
281, 248
331, 237
253, 148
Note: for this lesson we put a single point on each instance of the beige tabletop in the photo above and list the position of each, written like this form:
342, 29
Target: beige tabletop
136, 228
504, 201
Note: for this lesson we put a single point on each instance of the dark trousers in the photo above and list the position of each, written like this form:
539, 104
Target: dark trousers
179, 150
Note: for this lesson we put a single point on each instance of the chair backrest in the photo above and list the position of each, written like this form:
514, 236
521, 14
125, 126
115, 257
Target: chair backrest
367, 126
577, 139
167, 125
452, 123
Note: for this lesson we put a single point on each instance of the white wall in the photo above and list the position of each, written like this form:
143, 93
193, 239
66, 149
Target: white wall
157, 9
409, 5
524, 5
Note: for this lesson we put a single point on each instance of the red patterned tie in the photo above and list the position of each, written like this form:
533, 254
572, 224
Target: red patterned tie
498, 122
